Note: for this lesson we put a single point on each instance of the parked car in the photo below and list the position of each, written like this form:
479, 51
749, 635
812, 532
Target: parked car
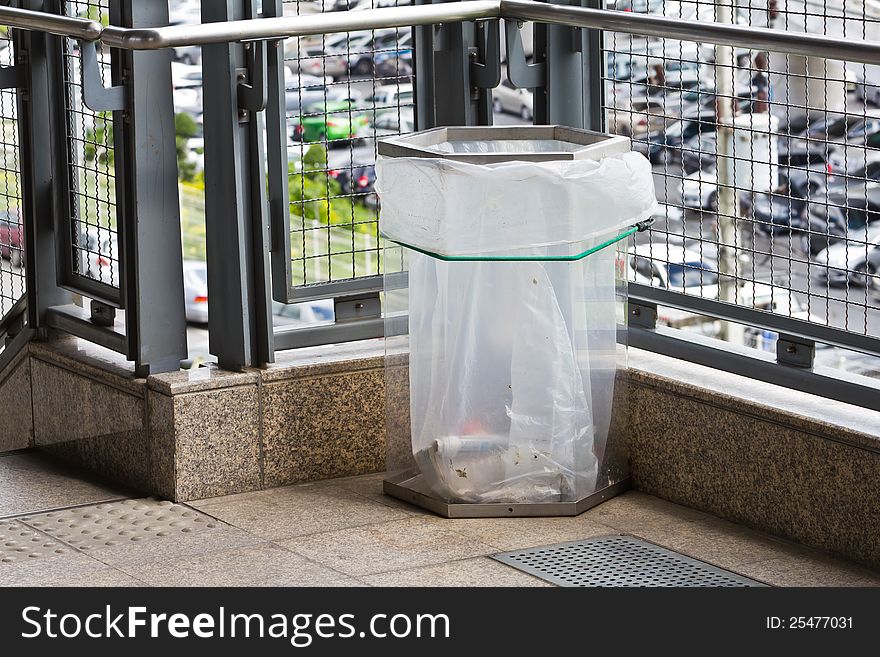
302, 314
389, 96
395, 123
394, 64
358, 181
699, 191
785, 211
195, 289
675, 267
853, 261
303, 90
98, 255
331, 121
507, 98
11, 237
665, 144
637, 117
362, 62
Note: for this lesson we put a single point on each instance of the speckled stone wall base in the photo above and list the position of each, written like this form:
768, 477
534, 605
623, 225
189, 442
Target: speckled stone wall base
206, 432
793, 476
17, 426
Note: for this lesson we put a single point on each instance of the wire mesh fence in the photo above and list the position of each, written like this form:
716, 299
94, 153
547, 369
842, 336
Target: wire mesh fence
767, 164
343, 92
91, 161
12, 275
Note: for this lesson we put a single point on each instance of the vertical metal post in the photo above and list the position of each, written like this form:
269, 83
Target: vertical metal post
240, 327
563, 98
444, 94
43, 157
276, 159
594, 71
151, 243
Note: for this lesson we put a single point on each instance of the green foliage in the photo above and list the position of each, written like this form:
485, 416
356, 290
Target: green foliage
312, 192
99, 140
185, 128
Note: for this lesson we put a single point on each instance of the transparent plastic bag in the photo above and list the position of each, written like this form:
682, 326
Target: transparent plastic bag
512, 364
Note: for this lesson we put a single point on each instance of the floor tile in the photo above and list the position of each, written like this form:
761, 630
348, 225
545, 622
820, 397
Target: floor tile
52, 571
32, 482
514, 533
388, 546
646, 516
292, 511
175, 547
810, 569
481, 571
265, 564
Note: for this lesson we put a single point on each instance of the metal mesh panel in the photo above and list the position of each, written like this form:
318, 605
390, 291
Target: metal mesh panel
343, 92
91, 153
12, 275
618, 561
779, 213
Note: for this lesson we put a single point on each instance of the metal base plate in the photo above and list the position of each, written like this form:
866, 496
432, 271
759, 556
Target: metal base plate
618, 561
410, 487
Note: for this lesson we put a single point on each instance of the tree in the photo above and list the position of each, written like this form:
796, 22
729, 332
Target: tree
185, 128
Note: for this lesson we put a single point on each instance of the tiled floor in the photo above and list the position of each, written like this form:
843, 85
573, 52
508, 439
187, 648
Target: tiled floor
346, 533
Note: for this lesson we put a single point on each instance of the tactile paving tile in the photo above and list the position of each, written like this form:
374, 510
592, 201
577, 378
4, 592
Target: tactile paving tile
18, 542
618, 561
118, 523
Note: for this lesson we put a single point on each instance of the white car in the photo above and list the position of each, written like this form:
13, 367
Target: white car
389, 96
507, 98
394, 123
99, 255
674, 267
699, 191
854, 261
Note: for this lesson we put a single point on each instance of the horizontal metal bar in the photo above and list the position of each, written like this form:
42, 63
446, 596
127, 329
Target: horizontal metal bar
795, 43
757, 318
75, 320
798, 43
13, 315
25, 19
822, 381
287, 26
332, 289
313, 336
10, 351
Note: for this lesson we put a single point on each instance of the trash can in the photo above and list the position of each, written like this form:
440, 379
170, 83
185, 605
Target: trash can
505, 288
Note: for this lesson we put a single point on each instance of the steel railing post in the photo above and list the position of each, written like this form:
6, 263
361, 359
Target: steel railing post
148, 195
240, 327
43, 157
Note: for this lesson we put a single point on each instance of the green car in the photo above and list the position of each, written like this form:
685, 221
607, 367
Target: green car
335, 119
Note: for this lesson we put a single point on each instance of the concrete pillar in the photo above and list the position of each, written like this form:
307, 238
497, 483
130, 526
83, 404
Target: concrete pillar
812, 83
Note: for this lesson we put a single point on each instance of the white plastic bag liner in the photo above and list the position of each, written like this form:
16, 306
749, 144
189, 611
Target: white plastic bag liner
457, 208
512, 364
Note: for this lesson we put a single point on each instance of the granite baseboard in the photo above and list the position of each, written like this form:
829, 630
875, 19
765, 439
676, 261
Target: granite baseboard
799, 467
17, 427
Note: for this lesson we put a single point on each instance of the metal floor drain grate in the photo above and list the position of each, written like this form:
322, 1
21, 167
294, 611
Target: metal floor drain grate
618, 561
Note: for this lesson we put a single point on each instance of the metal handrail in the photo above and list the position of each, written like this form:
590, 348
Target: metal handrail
69, 26
795, 43
814, 45
256, 29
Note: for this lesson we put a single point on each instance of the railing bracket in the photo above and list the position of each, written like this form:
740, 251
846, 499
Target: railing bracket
795, 352
96, 96
520, 73
253, 83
